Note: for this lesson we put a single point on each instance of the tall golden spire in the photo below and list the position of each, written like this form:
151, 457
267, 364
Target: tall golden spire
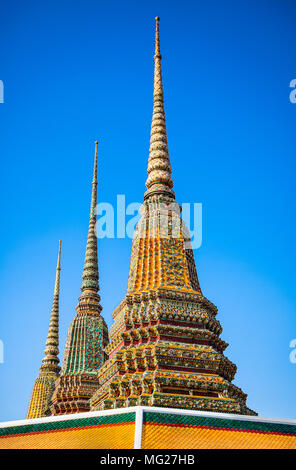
91, 271
165, 348
159, 179
49, 371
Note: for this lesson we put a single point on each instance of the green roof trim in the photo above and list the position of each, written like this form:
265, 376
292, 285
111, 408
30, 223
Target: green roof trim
218, 423
68, 424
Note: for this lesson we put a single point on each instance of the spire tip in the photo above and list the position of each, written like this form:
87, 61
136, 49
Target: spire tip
59, 257
159, 168
90, 274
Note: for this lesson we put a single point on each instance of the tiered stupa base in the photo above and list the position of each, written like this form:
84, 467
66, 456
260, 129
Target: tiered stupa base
186, 391
165, 351
72, 394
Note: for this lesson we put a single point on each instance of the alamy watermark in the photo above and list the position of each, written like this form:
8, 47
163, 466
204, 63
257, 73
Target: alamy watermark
1, 92
1, 352
293, 352
292, 95
150, 220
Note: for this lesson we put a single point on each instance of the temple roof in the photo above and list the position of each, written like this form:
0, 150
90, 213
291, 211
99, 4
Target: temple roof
149, 428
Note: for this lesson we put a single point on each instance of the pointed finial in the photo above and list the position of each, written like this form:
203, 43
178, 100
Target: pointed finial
96, 163
159, 179
90, 276
94, 183
157, 43
59, 255
96, 159
51, 360
57, 283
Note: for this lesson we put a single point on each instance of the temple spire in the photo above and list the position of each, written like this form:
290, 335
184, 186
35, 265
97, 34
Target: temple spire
49, 371
159, 179
90, 275
51, 360
165, 348
88, 332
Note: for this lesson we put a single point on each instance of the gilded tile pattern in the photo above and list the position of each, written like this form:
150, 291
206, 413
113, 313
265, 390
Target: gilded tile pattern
106, 432
177, 431
160, 430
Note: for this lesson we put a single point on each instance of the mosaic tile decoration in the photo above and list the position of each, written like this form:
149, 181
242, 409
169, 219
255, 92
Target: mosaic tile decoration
88, 332
149, 428
177, 431
165, 347
104, 432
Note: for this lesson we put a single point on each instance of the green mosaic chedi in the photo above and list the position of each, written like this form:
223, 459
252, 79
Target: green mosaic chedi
87, 334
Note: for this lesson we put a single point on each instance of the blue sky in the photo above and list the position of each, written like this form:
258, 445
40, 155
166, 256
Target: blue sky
74, 72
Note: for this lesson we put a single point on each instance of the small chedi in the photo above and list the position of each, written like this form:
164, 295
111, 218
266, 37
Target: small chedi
165, 348
49, 371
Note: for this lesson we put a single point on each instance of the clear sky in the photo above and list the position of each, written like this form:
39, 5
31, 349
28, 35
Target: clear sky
74, 72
